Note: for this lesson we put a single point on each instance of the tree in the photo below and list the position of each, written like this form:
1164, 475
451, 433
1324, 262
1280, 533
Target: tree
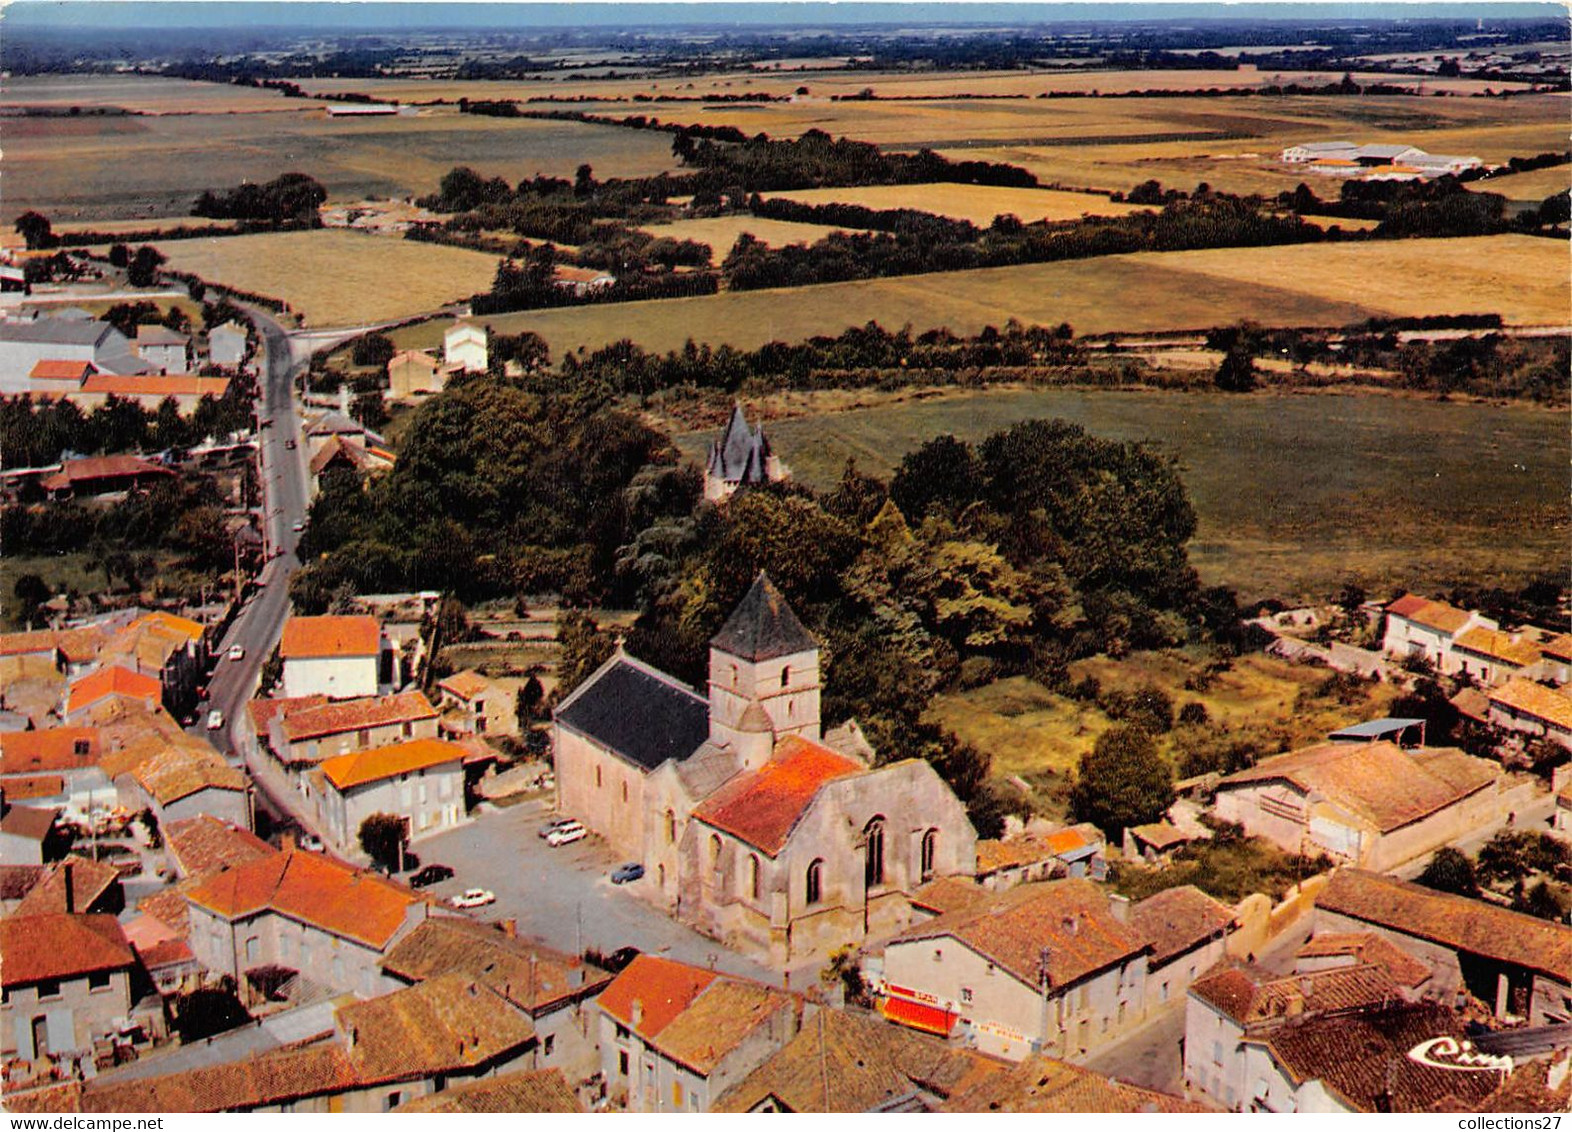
1450, 870
373, 350
383, 837
1236, 372
1122, 781
31, 592
119, 255
584, 648
34, 227
143, 268
584, 180
529, 697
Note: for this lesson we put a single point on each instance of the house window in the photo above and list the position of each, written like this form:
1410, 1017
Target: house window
409, 729
551, 1041
1217, 1053
392, 1100
930, 845
597, 778
80, 747
1163, 993
622, 1062
815, 885
873, 853
676, 1094
753, 876
623, 1033
785, 675
363, 738
49, 988
624, 791
99, 980
671, 828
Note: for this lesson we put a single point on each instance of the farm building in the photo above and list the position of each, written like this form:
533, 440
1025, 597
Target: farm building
23, 344
1532, 709
411, 372
465, 347
103, 475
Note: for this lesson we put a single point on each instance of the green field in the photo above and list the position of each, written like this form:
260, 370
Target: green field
1294, 494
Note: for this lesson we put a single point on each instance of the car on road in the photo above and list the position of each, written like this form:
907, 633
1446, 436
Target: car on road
555, 824
566, 835
430, 875
474, 898
215, 720
297, 527
625, 873
289, 444
237, 652
266, 422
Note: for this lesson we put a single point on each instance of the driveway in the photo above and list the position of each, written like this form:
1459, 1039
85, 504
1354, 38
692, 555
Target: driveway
564, 897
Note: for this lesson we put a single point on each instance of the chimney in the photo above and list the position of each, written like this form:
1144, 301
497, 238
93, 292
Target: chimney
343, 399
637, 1013
1119, 906
68, 876
1072, 924
510, 928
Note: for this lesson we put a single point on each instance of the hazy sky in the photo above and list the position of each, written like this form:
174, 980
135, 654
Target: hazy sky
371, 17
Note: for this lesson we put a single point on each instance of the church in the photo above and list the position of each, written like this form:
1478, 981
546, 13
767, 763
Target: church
753, 825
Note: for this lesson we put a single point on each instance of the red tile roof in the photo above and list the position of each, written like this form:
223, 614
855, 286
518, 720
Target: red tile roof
1248, 995
28, 822
466, 685
1559, 646
52, 749
663, 988
102, 467
89, 881
152, 385
1178, 919
263, 711
60, 946
23, 787
25, 644
1524, 697
313, 889
113, 680
360, 767
762, 807
1371, 948
330, 636
329, 718
205, 844
1407, 605
60, 369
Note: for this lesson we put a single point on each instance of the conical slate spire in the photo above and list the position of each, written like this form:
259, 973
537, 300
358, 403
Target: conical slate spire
763, 626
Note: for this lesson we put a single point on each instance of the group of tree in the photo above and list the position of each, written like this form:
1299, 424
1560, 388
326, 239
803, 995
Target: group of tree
1527, 867
288, 201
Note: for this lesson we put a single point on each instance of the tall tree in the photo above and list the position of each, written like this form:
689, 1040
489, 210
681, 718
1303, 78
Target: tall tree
1122, 781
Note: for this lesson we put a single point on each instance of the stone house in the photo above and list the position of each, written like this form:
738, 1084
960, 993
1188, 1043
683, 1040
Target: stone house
179, 782
163, 349
474, 705
421, 781
1375, 804
111, 683
24, 832
1042, 968
68, 979
1188, 932
673, 1038
306, 732
1532, 709
338, 657
1490, 656
1517, 965
413, 372
1076, 851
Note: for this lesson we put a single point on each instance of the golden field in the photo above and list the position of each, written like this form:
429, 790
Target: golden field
976, 203
334, 277
1521, 277
721, 232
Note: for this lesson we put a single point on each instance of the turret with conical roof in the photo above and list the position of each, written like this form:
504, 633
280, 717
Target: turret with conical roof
763, 658
741, 456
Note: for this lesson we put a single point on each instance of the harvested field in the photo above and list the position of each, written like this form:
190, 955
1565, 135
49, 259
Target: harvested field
721, 232
976, 203
144, 94
1531, 187
1294, 494
1521, 277
335, 277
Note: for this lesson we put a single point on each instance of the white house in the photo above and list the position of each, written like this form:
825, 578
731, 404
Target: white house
1418, 627
165, 350
421, 781
337, 657
226, 345
465, 346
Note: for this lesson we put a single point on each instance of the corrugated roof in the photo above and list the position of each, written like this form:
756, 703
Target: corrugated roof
763, 626
637, 713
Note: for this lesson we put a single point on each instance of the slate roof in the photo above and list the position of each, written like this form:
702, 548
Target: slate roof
60, 946
739, 455
1043, 1084
528, 1090
1177, 919
1457, 922
637, 713
763, 806
763, 626
843, 1062
358, 768
528, 975
1381, 782
1069, 917
65, 332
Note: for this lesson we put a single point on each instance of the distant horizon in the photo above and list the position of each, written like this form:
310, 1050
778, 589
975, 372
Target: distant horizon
377, 16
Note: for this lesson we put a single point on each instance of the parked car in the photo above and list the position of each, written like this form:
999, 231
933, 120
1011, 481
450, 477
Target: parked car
215, 720
289, 444
297, 527
625, 873
430, 875
237, 652
554, 825
474, 898
566, 835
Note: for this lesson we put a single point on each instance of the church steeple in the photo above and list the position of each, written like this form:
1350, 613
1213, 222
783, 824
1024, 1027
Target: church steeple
763, 657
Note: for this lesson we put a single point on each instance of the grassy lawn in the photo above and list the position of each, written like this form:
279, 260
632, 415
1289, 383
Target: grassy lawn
71, 572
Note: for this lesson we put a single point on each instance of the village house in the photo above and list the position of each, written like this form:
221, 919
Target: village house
178, 782
556, 991
112, 683
414, 372
1076, 851
226, 345
420, 781
323, 921
751, 825
205, 844
465, 347
1425, 629
163, 349
1331, 1041
25, 832
23, 344
1555, 660
149, 392
845, 1062
341, 452
1042, 968
1374, 804
338, 657
329, 425
1153, 841
1490, 656
302, 732
173, 648
673, 1038
582, 280
741, 456
1517, 965
68, 981
1533, 710
520, 1091
103, 475
75, 885
1188, 932
474, 705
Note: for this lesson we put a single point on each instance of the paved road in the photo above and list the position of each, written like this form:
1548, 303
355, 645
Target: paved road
564, 897
1151, 1055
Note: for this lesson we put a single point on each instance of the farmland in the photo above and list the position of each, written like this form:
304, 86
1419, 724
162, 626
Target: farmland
721, 232
976, 203
338, 278
1522, 278
1294, 494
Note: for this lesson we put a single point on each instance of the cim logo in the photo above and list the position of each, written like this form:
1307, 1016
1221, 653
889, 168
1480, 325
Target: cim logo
1449, 1053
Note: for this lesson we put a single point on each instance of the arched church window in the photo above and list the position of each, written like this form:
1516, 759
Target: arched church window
671, 828
930, 845
873, 853
815, 884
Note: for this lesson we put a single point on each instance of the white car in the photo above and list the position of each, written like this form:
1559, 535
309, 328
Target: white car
297, 527
474, 898
237, 652
215, 720
566, 835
